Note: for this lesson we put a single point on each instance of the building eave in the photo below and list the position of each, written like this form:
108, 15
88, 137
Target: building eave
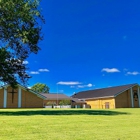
125, 90
96, 98
57, 98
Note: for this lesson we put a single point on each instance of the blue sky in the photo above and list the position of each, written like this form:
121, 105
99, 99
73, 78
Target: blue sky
87, 45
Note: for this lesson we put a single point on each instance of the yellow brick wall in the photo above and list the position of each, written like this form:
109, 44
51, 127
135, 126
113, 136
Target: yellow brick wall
9, 98
1, 97
100, 103
30, 100
123, 100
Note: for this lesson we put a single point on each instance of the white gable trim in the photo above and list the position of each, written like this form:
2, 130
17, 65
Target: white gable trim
38, 95
5, 98
131, 94
19, 97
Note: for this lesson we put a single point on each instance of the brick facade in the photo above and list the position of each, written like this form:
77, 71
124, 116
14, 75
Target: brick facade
28, 99
11, 104
123, 100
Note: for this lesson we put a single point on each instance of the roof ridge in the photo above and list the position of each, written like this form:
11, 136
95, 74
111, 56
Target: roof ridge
108, 87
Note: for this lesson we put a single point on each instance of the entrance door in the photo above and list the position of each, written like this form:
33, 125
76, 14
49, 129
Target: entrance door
135, 96
106, 105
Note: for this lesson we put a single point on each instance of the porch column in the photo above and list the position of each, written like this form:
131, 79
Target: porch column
19, 97
5, 98
139, 95
132, 101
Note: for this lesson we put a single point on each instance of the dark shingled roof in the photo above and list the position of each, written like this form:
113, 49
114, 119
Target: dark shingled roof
76, 100
54, 96
104, 92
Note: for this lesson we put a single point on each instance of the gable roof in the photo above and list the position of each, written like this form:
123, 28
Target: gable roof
54, 96
24, 88
103, 92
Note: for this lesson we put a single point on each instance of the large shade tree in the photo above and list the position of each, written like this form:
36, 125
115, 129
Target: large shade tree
20, 33
40, 88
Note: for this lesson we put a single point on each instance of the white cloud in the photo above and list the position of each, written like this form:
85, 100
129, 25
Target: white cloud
43, 70
90, 85
133, 73
83, 86
34, 72
38, 72
25, 62
71, 83
110, 70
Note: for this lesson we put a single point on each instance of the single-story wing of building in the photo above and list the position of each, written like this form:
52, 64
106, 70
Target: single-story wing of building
59, 99
55, 98
77, 103
125, 96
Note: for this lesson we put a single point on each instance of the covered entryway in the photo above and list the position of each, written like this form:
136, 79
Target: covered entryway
106, 105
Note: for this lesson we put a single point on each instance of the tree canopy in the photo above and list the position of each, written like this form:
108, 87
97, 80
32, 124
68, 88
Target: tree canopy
65, 102
40, 88
20, 33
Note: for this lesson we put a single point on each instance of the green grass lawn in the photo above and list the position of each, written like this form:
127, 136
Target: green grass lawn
69, 124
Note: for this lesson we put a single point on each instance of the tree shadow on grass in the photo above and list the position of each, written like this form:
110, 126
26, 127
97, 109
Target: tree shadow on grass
60, 112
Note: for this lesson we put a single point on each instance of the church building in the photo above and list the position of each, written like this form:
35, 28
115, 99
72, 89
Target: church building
125, 96
19, 98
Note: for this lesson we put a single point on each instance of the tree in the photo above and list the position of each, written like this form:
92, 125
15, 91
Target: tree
40, 88
20, 33
10, 67
65, 102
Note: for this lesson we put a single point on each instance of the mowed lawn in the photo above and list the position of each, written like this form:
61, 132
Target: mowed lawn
69, 124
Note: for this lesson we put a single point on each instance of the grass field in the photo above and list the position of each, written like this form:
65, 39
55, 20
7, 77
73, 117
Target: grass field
70, 124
